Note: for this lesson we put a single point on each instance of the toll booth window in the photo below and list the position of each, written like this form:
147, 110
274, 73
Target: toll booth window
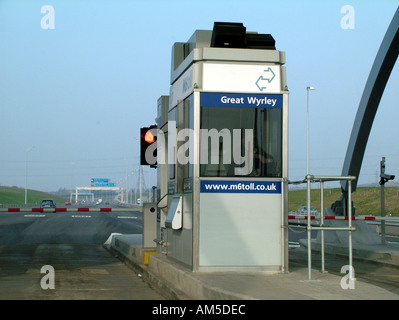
181, 165
240, 141
171, 167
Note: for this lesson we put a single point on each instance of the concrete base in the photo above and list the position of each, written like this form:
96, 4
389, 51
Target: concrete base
187, 284
174, 281
364, 234
131, 247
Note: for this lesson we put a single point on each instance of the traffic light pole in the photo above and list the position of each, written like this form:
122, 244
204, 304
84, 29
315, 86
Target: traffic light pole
382, 184
382, 214
141, 184
384, 178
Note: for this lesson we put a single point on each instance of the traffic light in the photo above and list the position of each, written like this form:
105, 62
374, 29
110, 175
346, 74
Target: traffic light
148, 146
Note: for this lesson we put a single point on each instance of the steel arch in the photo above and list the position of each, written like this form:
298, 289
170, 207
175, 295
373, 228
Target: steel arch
375, 86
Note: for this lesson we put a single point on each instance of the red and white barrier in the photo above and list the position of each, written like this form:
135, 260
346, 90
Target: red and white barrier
295, 217
68, 209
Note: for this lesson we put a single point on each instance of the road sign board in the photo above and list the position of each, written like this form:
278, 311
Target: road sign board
99, 180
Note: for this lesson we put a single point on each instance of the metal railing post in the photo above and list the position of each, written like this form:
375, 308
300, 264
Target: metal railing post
322, 224
350, 229
321, 227
309, 230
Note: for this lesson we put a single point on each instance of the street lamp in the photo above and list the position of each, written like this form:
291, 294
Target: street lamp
26, 173
307, 173
307, 129
140, 176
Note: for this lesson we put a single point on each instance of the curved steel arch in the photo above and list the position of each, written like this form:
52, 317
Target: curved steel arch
376, 82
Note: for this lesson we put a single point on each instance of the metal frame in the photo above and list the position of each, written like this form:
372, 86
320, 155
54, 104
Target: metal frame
98, 189
322, 228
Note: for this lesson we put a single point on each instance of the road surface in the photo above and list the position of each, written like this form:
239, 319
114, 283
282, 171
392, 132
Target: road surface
72, 244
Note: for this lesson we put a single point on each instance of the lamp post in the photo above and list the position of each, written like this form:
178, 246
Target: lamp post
307, 129
307, 178
26, 173
140, 177
127, 181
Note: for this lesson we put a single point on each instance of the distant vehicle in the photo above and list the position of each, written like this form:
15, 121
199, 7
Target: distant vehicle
47, 203
304, 211
99, 201
67, 203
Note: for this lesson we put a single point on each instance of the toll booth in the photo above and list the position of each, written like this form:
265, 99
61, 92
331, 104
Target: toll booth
222, 153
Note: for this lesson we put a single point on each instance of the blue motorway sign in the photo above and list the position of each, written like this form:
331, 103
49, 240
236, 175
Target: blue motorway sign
98, 184
99, 180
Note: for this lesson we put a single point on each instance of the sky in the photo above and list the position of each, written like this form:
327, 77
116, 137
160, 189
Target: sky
79, 92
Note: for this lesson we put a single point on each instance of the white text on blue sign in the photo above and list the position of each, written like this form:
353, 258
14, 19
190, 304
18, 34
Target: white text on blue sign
226, 186
211, 99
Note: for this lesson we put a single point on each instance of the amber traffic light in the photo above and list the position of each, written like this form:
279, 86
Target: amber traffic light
148, 147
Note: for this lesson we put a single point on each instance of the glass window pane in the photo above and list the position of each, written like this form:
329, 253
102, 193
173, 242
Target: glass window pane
233, 138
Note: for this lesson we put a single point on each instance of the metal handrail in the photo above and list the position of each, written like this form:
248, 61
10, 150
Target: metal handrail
309, 179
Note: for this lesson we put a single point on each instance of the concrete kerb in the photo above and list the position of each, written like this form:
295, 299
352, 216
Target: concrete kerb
123, 247
168, 278
193, 286
175, 282
167, 291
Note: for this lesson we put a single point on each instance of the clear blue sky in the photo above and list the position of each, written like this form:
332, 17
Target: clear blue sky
79, 93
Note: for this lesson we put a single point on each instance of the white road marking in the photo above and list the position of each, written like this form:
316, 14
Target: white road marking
35, 215
126, 217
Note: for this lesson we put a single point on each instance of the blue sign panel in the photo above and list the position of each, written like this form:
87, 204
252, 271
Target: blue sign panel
246, 100
99, 180
223, 186
99, 184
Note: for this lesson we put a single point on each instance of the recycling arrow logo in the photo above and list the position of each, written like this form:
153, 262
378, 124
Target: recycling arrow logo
268, 76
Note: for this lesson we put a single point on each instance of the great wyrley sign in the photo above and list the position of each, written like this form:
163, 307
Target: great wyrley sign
248, 100
218, 77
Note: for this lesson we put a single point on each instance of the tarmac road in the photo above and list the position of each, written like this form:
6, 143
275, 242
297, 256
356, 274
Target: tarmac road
66, 227
71, 243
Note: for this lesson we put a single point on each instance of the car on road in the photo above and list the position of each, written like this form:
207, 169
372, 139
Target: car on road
67, 203
303, 211
47, 203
